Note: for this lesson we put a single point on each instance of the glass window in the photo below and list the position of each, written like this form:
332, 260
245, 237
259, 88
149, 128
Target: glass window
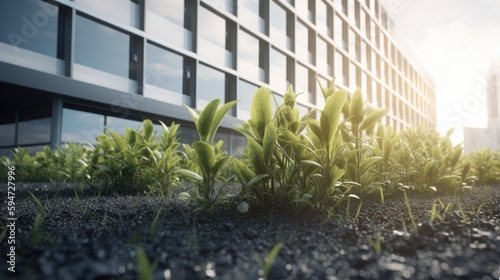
7, 127
323, 57
112, 53
120, 125
212, 35
302, 8
30, 35
302, 43
278, 26
245, 95
80, 126
171, 21
34, 124
211, 85
279, 71
228, 5
249, 56
126, 11
322, 17
249, 12
303, 84
338, 67
164, 74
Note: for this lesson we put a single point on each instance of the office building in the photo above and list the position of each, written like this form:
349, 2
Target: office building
70, 68
476, 138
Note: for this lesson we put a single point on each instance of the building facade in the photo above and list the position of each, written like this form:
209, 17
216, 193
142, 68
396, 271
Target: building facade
476, 138
70, 68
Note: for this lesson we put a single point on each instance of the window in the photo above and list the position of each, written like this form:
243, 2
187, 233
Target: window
279, 71
245, 95
211, 85
228, 5
127, 11
324, 57
34, 124
304, 43
212, 38
7, 127
279, 29
80, 126
303, 8
105, 56
172, 22
30, 35
323, 18
251, 57
167, 75
337, 28
251, 13
338, 67
120, 125
304, 84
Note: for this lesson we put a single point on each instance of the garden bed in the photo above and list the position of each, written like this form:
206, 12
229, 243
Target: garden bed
90, 236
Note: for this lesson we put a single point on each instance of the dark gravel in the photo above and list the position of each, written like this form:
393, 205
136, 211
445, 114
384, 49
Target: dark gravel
95, 237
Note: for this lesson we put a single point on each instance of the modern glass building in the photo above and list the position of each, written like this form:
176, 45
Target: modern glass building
70, 68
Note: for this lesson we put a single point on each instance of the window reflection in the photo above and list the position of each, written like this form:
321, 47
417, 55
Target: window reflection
164, 75
81, 127
278, 26
279, 70
303, 43
120, 125
164, 20
212, 34
126, 11
30, 35
34, 124
248, 56
245, 95
249, 12
211, 85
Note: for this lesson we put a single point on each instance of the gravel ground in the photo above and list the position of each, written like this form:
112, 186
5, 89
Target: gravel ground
95, 237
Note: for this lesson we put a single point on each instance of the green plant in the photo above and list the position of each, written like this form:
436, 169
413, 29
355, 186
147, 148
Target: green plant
154, 223
37, 201
37, 232
266, 264
405, 188
146, 269
211, 162
376, 243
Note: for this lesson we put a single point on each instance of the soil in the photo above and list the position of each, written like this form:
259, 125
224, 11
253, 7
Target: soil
96, 237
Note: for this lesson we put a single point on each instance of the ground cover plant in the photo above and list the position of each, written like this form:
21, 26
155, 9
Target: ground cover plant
335, 177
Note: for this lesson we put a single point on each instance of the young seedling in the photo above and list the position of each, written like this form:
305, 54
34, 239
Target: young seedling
268, 262
404, 188
146, 268
376, 243
154, 223
37, 201
37, 233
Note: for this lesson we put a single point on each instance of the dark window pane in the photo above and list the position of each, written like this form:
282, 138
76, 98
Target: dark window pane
126, 11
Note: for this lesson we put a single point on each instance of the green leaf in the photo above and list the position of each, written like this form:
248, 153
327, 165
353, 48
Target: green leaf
205, 155
190, 174
256, 155
330, 116
184, 196
356, 108
306, 196
387, 150
207, 116
218, 119
261, 111
255, 179
121, 143
373, 117
148, 129
269, 143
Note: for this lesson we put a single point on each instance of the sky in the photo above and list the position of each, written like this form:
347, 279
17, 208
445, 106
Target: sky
454, 42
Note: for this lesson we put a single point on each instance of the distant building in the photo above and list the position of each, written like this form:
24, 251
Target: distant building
475, 138
70, 68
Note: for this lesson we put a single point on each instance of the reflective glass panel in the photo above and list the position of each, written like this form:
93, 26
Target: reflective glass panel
279, 70
126, 11
120, 125
170, 21
248, 55
100, 47
212, 38
80, 126
245, 94
301, 42
302, 83
278, 25
164, 69
211, 85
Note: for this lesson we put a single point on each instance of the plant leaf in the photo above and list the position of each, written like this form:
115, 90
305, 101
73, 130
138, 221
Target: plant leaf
261, 110
206, 119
